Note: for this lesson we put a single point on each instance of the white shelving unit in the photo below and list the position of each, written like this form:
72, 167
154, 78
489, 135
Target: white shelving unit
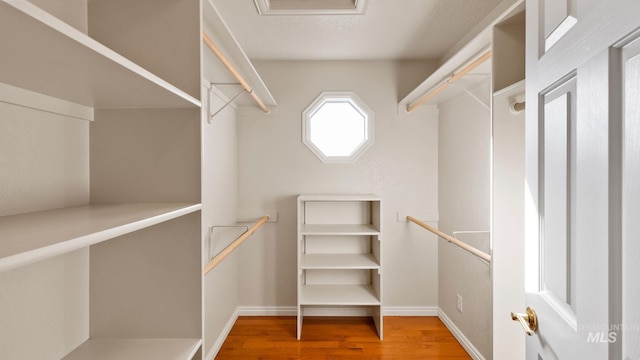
133, 211
53, 58
31, 237
139, 349
339, 255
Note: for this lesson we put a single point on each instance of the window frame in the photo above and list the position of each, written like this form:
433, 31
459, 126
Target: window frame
337, 96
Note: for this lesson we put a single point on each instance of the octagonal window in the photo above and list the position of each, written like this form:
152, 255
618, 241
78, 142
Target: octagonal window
337, 126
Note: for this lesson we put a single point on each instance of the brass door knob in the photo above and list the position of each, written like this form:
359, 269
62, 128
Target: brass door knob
529, 321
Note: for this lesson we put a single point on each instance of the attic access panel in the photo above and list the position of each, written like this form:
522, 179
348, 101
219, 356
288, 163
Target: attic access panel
310, 7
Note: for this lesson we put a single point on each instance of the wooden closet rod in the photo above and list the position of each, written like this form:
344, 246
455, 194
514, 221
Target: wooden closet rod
455, 77
451, 239
229, 249
233, 71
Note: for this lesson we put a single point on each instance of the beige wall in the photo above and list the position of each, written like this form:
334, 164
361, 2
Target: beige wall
464, 198
44, 162
400, 166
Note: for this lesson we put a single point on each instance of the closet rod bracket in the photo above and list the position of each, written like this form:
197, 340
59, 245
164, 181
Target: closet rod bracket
471, 94
211, 116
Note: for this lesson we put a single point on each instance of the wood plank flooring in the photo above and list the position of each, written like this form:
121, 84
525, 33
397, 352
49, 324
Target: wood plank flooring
324, 338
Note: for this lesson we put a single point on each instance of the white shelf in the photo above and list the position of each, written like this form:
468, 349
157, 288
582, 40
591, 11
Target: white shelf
36, 236
43, 54
338, 198
215, 72
466, 50
340, 295
340, 253
339, 261
136, 349
339, 229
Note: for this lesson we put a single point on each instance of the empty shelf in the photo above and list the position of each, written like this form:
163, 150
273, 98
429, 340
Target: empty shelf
31, 237
338, 295
339, 229
136, 349
339, 261
86, 72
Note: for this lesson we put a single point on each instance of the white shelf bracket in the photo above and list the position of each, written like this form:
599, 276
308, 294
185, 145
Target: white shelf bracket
472, 95
211, 116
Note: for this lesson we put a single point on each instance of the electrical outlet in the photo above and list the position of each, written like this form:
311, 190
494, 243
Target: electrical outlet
459, 302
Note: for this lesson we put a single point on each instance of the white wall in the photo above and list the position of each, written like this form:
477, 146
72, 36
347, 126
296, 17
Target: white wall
219, 208
400, 166
508, 223
464, 197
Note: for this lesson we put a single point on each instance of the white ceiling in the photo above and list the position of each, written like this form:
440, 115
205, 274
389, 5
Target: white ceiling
389, 29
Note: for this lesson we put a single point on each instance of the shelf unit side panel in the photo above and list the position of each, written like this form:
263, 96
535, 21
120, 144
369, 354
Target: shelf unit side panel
376, 248
376, 282
377, 315
147, 284
301, 249
145, 156
376, 214
163, 36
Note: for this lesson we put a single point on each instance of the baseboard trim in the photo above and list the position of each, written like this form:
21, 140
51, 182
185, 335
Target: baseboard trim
267, 310
336, 311
410, 311
223, 336
462, 339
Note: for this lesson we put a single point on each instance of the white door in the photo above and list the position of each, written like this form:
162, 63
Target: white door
579, 53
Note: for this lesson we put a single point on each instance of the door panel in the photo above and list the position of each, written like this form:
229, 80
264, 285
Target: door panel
557, 235
572, 213
631, 202
581, 207
559, 18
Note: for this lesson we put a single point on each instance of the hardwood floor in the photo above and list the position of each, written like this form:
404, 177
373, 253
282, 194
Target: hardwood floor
324, 338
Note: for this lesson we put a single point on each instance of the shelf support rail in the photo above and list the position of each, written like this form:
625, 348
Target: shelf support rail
473, 96
212, 46
452, 79
211, 116
229, 249
451, 239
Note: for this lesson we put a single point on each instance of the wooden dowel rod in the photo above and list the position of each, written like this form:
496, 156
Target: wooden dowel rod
451, 239
229, 249
474, 64
427, 97
519, 106
455, 77
233, 71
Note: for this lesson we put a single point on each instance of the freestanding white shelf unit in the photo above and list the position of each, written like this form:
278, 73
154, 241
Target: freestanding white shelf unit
339, 256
